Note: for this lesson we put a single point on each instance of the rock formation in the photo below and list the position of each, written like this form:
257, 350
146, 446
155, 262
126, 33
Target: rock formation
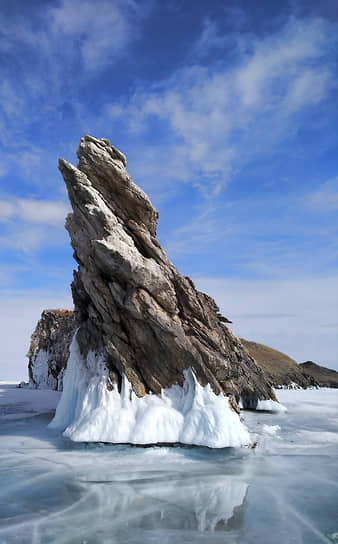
281, 370
49, 349
130, 301
138, 319
324, 377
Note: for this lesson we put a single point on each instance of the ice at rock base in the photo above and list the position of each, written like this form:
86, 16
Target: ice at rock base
270, 406
191, 414
42, 378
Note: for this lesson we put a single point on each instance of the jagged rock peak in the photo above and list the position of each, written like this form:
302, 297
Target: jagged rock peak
106, 168
132, 306
49, 349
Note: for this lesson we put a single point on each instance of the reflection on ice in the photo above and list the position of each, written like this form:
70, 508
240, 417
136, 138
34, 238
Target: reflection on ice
97, 504
207, 504
55, 491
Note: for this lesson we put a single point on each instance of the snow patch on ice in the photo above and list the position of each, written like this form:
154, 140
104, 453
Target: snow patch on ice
270, 406
191, 414
291, 385
271, 430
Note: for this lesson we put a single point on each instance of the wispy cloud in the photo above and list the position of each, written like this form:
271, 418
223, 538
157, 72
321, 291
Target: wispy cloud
219, 118
99, 30
276, 236
71, 43
92, 34
203, 231
34, 211
11, 103
27, 240
309, 88
31, 224
325, 199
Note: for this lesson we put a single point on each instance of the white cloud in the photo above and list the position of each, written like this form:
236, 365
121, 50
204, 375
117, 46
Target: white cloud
210, 39
31, 224
102, 29
309, 88
41, 212
197, 235
298, 317
26, 240
277, 60
7, 210
220, 117
45, 212
48, 55
11, 103
213, 38
92, 33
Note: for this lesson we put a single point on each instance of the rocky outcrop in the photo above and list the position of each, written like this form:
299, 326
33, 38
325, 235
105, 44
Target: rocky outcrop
49, 349
281, 370
324, 377
131, 304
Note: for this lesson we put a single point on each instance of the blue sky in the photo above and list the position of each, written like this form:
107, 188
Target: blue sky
227, 112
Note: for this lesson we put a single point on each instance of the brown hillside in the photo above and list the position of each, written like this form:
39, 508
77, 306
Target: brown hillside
280, 368
326, 377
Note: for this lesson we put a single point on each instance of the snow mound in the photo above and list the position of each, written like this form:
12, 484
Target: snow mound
270, 406
191, 414
271, 430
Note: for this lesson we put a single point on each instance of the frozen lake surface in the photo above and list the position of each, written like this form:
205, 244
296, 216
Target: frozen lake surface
283, 491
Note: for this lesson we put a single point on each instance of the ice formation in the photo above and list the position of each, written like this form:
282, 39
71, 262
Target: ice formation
192, 414
271, 429
270, 406
49, 349
40, 372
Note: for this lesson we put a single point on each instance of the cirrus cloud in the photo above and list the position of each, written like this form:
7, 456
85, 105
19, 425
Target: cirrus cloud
217, 117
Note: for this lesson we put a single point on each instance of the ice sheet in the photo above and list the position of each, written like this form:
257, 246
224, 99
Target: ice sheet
17, 403
54, 490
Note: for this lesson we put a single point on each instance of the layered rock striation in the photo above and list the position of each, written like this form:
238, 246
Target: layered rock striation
49, 349
141, 324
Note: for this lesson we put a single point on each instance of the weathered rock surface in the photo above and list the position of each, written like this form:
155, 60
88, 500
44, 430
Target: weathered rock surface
278, 367
325, 377
131, 304
49, 349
